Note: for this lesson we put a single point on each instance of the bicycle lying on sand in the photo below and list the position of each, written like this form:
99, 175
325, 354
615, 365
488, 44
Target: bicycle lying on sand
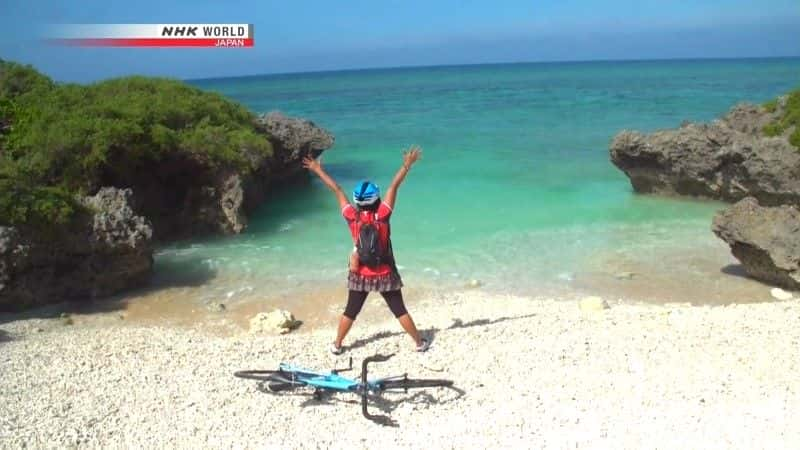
289, 377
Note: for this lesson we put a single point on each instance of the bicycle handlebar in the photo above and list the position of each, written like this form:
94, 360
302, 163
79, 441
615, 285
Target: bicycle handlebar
385, 420
377, 358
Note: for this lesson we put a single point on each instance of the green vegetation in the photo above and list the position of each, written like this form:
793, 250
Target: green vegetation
16, 79
771, 105
790, 118
57, 140
34, 205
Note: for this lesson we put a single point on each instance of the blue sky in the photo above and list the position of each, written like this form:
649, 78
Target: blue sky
309, 35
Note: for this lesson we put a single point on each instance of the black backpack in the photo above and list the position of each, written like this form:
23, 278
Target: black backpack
371, 251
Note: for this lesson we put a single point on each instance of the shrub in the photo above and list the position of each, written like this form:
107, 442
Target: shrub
56, 140
17, 79
789, 118
36, 206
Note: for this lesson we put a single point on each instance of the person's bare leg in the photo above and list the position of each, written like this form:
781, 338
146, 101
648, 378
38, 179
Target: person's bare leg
408, 324
344, 327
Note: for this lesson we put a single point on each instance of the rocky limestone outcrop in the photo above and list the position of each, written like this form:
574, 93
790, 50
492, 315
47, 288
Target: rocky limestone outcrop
184, 197
729, 159
106, 251
766, 240
109, 248
293, 138
223, 204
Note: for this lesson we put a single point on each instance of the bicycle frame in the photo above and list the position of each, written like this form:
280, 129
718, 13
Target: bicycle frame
289, 376
333, 381
324, 380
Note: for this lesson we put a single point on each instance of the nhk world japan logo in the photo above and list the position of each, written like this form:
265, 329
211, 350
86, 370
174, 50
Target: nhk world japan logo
222, 35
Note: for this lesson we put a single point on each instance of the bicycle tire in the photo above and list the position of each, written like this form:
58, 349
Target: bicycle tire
278, 380
415, 384
279, 386
258, 375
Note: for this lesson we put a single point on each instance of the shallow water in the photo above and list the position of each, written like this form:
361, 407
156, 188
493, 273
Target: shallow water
515, 188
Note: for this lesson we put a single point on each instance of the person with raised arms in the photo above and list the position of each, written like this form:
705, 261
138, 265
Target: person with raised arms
372, 265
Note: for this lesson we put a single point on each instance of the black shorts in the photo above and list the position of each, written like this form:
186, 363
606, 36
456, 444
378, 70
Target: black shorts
355, 300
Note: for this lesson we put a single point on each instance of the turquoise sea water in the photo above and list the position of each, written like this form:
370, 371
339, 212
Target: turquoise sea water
515, 187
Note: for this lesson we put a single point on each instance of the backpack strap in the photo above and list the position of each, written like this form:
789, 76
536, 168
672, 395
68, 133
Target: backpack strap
374, 216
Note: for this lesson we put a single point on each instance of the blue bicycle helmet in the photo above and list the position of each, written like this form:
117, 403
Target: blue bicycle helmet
366, 193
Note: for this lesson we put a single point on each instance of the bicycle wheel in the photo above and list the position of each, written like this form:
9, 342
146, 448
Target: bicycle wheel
258, 375
276, 380
414, 384
278, 386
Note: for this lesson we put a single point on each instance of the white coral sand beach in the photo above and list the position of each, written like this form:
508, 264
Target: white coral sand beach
530, 373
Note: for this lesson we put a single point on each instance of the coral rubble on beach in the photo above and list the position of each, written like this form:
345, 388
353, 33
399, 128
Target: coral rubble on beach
529, 373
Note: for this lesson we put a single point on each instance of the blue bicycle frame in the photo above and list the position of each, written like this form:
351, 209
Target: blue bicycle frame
289, 376
323, 380
333, 381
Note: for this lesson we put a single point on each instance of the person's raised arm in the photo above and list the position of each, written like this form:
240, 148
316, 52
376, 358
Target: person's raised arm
315, 166
410, 156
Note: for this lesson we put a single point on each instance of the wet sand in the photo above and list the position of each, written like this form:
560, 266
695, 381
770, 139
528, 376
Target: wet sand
621, 280
659, 273
176, 307
710, 277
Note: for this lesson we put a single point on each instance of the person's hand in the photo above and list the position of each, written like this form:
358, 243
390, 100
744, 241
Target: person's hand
412, 155
312, 164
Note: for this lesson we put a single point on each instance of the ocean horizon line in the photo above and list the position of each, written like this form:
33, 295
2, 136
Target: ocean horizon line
498, 64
